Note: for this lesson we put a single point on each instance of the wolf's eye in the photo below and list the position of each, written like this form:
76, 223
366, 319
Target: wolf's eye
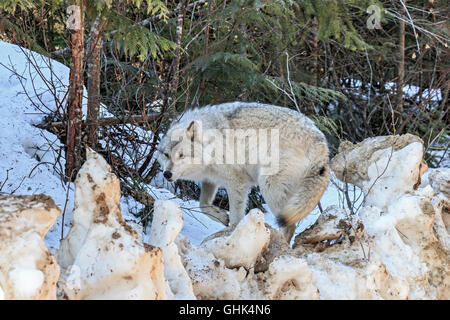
181, 156
166, 155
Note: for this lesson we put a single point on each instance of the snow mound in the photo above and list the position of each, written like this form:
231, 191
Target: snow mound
31, 86
166, 225
101, 256
27, 269
245, 243
383, 167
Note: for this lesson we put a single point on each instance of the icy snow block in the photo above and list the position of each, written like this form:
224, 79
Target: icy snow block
27, 269
384, 167
245, 244
101, 255
166, 225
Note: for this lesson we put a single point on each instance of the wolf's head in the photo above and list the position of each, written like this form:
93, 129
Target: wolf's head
180, 152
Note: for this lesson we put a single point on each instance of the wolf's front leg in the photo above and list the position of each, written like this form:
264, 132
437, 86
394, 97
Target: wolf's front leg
207, 195
237, 198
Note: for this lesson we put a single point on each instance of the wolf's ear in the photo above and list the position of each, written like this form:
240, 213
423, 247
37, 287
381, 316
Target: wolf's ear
193, 131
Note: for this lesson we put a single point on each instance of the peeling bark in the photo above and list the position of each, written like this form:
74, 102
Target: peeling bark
93, 60
75, 96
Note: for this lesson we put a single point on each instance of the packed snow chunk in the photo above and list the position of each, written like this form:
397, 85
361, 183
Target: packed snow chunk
245, 244
347, 279
167, 223
101, 256
27, 269
440, 181
285, 277
380, 255
271, 272
333, 250
290, 278
416, 226
384, 167
404, 238
442, 220
211, 279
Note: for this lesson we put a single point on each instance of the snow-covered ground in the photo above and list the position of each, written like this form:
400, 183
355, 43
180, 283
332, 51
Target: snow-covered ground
409, 91
27, 154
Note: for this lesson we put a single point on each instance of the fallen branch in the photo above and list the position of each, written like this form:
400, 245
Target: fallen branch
103, 122
140, 196
321, 238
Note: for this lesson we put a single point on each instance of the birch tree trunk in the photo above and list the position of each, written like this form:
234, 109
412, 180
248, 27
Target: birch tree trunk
315, 51
179, 36
401, 64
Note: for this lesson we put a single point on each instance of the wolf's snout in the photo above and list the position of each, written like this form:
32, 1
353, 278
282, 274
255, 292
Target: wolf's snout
167, 174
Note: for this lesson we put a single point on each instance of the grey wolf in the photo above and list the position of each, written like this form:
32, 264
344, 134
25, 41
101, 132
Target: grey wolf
216, 145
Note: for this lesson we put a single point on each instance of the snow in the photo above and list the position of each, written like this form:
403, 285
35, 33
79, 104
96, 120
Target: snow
252, 232
167, 223
104, 251
27, 269
409, 90
412, 90
29, 165
28, 281
398, 222
28, 155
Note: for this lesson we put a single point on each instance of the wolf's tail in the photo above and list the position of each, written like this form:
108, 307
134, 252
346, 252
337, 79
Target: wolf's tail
307, 194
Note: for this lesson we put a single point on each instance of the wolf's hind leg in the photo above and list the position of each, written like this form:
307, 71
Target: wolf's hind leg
288, 232
276, 190
207, 195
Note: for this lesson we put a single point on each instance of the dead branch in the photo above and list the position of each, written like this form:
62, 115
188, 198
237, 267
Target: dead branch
103, 122
140, 196
321, 238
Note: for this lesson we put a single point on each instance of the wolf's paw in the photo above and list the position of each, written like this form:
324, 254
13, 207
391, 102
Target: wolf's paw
217, 214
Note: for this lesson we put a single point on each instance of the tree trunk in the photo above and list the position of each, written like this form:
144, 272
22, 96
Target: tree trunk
75, 96
315, 51
180, 21
206, 41
93, 60
401, 64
